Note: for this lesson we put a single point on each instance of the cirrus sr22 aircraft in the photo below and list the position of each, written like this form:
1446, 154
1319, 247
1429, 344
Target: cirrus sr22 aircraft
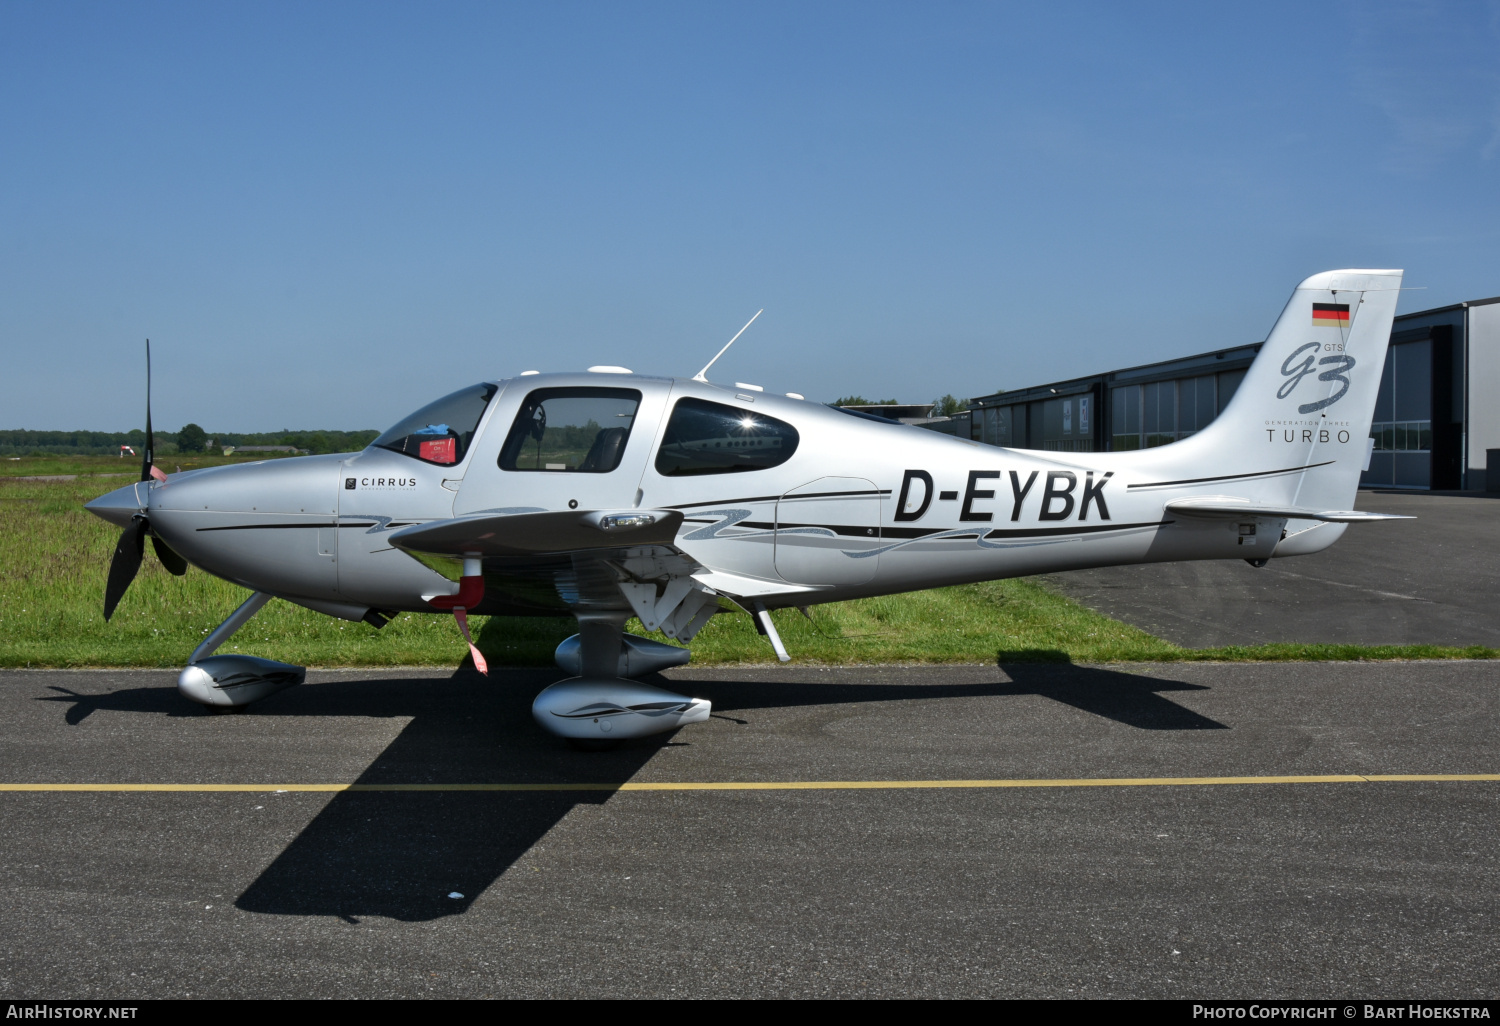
608, 494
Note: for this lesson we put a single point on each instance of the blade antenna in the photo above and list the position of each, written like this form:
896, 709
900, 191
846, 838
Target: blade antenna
703, 374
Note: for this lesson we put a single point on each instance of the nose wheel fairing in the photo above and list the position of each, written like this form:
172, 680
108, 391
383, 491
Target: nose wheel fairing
224, 681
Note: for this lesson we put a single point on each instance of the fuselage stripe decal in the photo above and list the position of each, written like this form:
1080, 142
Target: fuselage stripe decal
777, 498
1229, 477
274, 527
280, 527
867, 531
1038, 532
922, 532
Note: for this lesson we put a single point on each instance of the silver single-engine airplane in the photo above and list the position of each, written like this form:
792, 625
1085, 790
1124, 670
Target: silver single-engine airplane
608, 494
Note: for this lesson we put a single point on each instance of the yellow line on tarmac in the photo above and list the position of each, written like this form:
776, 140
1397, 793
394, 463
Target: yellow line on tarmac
784, 785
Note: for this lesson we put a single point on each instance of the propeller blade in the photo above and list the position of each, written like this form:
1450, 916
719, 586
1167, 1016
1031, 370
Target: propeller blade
175, 564
122, 569
148, 457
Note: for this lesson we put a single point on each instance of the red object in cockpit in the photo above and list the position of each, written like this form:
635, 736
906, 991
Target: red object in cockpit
441, 451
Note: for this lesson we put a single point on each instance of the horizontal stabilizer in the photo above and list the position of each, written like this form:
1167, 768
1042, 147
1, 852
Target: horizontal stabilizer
1218, 508
532, 534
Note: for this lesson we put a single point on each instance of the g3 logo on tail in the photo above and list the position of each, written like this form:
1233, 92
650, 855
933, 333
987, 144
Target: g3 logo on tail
1295, 372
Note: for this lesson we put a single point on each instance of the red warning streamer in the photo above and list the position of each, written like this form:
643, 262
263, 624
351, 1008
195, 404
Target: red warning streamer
470, 594
461, 615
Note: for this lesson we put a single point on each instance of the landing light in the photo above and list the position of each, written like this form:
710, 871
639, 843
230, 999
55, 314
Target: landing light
626, 521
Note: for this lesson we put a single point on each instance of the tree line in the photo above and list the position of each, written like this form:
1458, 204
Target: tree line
944, 406
191, 438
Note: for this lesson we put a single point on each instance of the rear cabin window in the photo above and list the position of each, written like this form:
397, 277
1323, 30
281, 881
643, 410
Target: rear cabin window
711, 438
440, 432
571, 430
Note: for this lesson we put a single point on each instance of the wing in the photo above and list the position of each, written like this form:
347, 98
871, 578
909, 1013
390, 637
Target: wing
572, 560
539, 534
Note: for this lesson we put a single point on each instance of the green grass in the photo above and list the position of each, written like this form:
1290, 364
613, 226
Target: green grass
54, 558
126, 468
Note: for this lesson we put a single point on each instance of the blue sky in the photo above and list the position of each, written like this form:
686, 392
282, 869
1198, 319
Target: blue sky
324, 215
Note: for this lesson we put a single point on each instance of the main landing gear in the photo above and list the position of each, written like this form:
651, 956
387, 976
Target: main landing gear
595, 709
599, 708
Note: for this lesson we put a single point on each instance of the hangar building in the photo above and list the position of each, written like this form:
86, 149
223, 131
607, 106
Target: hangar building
1437, 413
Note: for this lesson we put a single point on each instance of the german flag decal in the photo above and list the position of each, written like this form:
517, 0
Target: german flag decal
1330, 315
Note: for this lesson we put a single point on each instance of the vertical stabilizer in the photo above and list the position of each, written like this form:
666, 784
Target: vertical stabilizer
1309, 397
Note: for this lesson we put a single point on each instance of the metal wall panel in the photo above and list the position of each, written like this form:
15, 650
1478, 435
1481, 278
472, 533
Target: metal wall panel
1483, 387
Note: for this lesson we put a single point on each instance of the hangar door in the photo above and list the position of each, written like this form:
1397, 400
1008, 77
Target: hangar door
828, 532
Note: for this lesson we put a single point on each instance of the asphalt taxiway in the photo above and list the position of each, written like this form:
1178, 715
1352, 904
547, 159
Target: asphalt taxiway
772, 883
1428, 581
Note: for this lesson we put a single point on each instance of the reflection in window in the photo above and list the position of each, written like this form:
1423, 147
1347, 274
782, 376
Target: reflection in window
440, 432
1125, 416
1002, 425
1063, 425
1412, 373
1010, 426
1229, 383
1196, 404
577, 430
710, 438
1161, 412
1402, 435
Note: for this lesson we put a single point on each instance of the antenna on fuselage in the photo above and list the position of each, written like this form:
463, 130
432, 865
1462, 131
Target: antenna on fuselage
703, 374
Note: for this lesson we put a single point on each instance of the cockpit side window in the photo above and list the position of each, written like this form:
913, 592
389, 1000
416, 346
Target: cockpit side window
440, 432
577, 430
711, 438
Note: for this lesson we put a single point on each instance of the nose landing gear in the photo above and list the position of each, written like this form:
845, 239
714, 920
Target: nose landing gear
225, 682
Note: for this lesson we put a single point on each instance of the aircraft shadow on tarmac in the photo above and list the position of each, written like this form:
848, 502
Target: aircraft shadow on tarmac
399, 855
1129, 698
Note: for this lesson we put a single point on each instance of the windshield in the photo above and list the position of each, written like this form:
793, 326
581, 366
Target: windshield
440, 432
